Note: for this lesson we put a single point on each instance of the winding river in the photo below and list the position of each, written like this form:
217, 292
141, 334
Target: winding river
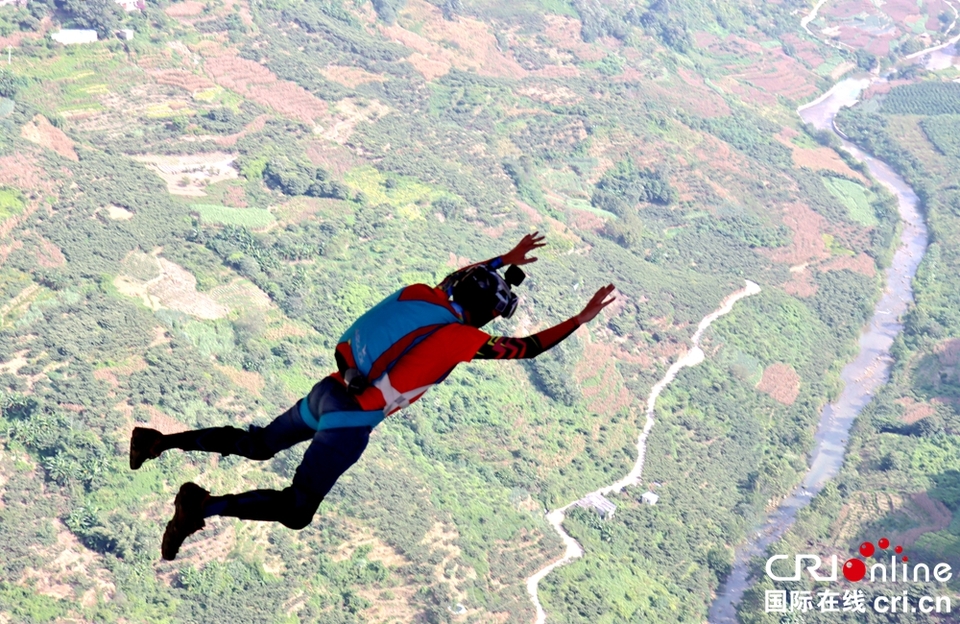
863, 376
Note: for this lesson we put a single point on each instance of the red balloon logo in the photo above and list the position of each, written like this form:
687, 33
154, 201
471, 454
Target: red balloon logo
854, 570
866, 549
898, 549
884, 542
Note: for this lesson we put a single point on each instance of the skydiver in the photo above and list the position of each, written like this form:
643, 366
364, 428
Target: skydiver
386, 360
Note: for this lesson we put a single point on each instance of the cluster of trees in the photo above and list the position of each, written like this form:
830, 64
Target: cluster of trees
944, 132
625, 186
23, 16
923, 98
296, 178
104, 16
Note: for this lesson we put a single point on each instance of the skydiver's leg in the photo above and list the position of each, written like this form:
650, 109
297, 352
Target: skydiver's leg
258, 443
330, 454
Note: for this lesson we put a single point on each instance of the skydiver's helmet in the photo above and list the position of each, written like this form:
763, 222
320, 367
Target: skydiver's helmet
482, 293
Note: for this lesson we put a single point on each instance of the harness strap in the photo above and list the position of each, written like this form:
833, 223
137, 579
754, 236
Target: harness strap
337, 420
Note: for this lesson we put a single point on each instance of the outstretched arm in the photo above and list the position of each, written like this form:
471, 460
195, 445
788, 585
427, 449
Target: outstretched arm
517, 255
514, 348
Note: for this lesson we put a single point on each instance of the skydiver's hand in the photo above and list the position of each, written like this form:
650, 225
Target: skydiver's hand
518, 255
598, 302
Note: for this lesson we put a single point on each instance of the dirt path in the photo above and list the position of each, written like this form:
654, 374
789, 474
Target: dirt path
691, 358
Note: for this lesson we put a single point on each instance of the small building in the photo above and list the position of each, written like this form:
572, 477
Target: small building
70, 36
649, 498
126, 34
598, 503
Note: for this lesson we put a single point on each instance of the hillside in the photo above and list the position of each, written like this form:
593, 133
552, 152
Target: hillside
191, 218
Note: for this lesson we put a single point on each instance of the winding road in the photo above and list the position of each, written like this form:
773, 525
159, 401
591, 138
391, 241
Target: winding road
691, 358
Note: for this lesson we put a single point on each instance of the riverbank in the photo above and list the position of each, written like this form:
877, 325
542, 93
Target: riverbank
863, 376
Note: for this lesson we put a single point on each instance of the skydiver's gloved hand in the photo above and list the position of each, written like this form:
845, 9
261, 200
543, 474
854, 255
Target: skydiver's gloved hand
518, 255
598, 302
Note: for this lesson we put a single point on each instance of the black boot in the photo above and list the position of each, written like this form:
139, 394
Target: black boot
187, 518
143, 446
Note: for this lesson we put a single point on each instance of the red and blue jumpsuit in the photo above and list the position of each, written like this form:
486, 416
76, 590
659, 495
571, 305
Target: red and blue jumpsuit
338, 423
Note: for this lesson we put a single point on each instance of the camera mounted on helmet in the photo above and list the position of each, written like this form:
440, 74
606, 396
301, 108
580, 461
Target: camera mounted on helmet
484, 294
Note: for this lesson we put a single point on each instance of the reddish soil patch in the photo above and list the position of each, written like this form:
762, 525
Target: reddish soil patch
530, 212
705, 39
464, 43
457, 262
49, 255
585, 220
161, 422
497, 231
20, 170
243, 379
254, 126
807, 243
182, 79
607, 395
879, 88
782, 76
801, 284
818, 158
40, 131
904, 14
189, 8
564, 33
111, 374
235, 196
257, 83
707, 102
948, 352
861, 263
914, 411
806, 51
549, 93
781, 382
937, 518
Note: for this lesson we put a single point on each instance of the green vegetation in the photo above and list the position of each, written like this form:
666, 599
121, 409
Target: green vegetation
903, 446
11, 202
944, 132
924, 98
11, 83
621, 174
253, 218
854, 196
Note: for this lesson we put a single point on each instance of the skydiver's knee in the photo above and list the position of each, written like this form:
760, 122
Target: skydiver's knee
256, 445
300, 509
298, 521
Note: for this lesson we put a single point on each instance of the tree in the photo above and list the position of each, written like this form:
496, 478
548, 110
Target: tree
10, 83
101, 15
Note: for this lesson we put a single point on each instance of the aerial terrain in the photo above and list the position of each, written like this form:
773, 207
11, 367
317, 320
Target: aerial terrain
195, 206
